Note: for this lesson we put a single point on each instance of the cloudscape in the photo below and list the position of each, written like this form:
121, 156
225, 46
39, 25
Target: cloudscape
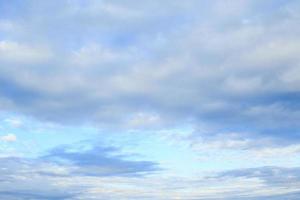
149, 99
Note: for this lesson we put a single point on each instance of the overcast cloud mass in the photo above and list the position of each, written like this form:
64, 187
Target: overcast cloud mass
164, 100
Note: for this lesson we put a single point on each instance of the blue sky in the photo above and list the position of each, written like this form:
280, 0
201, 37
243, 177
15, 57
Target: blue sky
111, 99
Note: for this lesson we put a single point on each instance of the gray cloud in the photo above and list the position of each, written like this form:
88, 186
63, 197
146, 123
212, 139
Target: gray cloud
52, 176
21, 179
34, 196
270, 175
233, 66
235, 70
99, 161
40, 179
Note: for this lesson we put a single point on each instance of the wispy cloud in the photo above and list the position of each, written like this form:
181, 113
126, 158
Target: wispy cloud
8, 138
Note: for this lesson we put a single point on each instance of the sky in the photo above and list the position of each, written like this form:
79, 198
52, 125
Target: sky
150, 99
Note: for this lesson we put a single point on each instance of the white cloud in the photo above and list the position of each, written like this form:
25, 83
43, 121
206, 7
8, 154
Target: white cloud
6, 25
14, 122
15, 52
92, 55
143, 120
9, 138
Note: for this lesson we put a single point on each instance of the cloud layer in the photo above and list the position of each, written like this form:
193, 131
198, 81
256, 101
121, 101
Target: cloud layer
234, 65
230, 70
22, 179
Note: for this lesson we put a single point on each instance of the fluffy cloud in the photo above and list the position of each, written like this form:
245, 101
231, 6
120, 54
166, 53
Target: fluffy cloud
235, 69
13, 52
9, 138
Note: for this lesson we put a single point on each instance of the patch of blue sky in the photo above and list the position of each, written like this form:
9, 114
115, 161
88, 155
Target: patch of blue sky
35, 138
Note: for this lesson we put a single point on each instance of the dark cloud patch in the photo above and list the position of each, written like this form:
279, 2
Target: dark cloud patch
18, 93
100, 161
52, 176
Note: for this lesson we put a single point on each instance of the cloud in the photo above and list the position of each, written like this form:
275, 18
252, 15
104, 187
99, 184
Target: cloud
14, 122
235, 70
34, 196
6, 25
9, 138
214, 187
271, 175
13, 52
232, 67
22, 178
69, 172
99, 161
